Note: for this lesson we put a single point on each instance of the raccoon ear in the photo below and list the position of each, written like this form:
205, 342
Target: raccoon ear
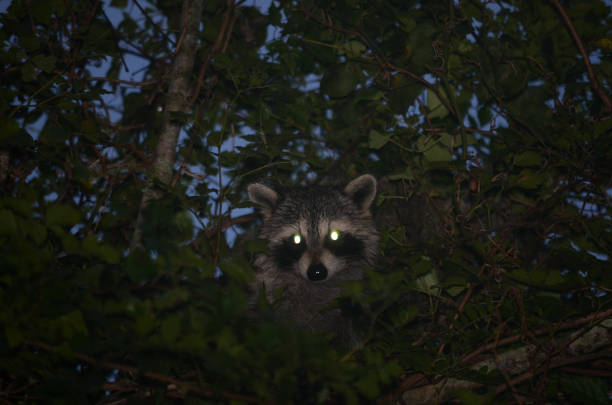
264, 196
362, 191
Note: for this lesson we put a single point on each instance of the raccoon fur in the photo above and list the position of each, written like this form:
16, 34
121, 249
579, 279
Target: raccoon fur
318, 237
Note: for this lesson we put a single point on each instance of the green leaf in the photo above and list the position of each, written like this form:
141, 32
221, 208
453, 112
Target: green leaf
171, 298
340, 81
455, 285
451, 141
408, 23
420, 360
13, 336
238, 269
89, 277
353, 48
470, 398
31, 43
256, 245
587, 390
437, 153
170, 328
376, 140
368, 94
144, 324
429, 283
8, 225
435, 106
403, 93
107, 253
27, 72
605, 43
36, 231
529, 158
70, 244
62, 214
42, 11
390, 371
405, 174
484, 115
139, 267
89, 127
368, 386
45, 62
73, 323
404, 316
529, 179
547, 278
9, 129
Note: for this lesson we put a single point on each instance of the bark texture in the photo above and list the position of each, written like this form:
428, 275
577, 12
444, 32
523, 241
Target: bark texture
177, 101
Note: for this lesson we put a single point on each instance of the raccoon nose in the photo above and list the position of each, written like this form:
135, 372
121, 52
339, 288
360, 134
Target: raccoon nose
317, 272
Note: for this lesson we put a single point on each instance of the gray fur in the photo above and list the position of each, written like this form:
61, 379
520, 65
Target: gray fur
312, 212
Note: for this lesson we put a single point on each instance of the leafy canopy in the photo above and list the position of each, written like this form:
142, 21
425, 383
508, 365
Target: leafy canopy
489, 134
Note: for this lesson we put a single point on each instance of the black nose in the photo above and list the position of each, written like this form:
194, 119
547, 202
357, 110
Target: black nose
317, 272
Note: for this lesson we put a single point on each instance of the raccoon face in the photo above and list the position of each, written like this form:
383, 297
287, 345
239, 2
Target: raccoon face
318, 233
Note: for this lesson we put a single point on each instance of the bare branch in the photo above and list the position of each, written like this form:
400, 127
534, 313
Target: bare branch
592, 78
524, 362
216, 47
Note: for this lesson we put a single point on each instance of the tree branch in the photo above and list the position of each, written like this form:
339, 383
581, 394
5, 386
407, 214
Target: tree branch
4, 165
178, 96
591, 319
592, 78
379, 58
579, 347
215, 48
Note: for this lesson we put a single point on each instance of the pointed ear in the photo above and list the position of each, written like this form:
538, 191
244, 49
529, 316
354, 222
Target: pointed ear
362, 191
263, 196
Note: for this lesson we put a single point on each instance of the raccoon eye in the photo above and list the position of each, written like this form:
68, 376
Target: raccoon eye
334, 235
297, 239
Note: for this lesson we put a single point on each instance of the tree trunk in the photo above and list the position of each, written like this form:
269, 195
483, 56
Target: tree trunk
177, 100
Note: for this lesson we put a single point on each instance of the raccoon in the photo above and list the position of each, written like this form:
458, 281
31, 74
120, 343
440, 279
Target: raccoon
318, 237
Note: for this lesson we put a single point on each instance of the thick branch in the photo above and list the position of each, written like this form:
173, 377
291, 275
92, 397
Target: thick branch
178, 96
590, 319
178, 92
522, 364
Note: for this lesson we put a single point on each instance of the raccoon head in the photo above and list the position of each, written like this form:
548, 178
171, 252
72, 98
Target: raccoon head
318, 233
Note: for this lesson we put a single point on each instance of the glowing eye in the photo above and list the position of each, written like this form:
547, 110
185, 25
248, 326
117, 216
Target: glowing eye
297, 239
334, 235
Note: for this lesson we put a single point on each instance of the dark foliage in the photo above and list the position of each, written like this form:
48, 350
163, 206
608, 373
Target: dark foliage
487, 124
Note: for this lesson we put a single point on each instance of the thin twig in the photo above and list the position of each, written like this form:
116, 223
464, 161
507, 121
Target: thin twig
593, 318
153, 24
530, 374
592, 78
215, 48
383, 64
110, 80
